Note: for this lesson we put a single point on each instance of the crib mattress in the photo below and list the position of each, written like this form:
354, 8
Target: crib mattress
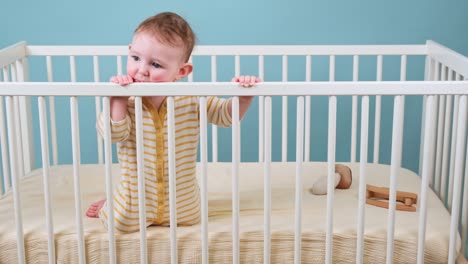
92, 182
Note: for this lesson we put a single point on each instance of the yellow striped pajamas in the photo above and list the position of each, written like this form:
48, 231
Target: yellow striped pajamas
155, 158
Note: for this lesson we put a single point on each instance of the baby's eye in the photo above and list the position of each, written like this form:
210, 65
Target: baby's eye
135, 58
156, 65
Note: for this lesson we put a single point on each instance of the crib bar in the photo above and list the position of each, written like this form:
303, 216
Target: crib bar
14, 179
98, 109
403, 68
237, 65
214, 128
331, 166
2, 135
441, 123
397, 139
235, 180
261, 112
109, 184
332, 68
267, 184
450, 183
362, 177
453, 143
17, 124
203, 178
354, 110
308, 78
433, 77
119, 65
299, 157
378, 107
53, 127
72, 69
45, 170
464, 219
284, 118
24, 110
331, 177
19, 141
75, 131
172, 177
141, 179
447, 126
427, 76
6, 164
3, 142
428, 148
190, 76
307, 128
460, 151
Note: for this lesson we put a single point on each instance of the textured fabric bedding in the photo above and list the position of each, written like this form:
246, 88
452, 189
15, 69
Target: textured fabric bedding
92, 182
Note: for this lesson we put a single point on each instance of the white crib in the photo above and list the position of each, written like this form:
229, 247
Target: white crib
266, 214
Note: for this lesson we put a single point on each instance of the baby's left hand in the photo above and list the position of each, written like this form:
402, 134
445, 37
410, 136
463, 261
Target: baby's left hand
247, 81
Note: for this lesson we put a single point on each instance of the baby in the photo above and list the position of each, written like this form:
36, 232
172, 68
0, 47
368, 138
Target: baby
159, 52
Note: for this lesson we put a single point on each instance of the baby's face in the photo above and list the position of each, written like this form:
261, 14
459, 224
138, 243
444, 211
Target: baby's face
149, 60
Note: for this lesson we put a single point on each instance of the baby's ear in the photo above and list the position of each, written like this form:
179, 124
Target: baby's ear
185, 70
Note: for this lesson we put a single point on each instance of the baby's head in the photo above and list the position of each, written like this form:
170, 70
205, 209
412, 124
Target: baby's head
160, 49
170, 29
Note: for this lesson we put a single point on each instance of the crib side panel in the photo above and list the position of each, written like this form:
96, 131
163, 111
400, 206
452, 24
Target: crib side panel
14, 68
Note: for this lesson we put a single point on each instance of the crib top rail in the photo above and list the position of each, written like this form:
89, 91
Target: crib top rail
232, 89
241, 50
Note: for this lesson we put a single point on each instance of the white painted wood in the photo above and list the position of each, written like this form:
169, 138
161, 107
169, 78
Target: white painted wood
331, 153
46, 174
109, 184
53, 125
141, 179
354, 106
15, 179
253, 50
397, 140
235, 181
26, 133
299, 189
214, 128
12, 53
100, 147
267, 184
75, 133
427, 150
362, 178
232, 89
378, 109
172, 177
284, 116
204, 178
261, 112
459, 159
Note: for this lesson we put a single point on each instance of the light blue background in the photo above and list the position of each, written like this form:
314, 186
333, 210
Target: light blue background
87, 22
54, 22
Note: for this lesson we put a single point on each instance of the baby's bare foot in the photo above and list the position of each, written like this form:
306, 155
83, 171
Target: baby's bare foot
93, 210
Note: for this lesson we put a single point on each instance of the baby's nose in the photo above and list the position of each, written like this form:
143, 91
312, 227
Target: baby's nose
144, 70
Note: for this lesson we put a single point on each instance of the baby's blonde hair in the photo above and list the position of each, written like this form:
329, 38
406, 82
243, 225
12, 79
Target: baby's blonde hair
170, 28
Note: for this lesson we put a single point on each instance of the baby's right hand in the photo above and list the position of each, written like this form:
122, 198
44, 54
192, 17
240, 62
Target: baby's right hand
122, 79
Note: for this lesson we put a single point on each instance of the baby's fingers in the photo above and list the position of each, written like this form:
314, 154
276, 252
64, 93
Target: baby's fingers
247, 81
122, 79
